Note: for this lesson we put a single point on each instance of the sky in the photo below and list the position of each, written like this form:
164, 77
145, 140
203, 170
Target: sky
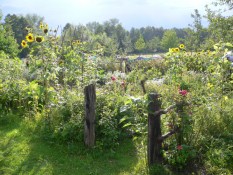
131, 13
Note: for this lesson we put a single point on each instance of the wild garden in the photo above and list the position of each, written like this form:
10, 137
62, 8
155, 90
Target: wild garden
45, 70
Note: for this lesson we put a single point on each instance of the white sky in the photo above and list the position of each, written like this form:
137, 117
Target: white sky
131, 13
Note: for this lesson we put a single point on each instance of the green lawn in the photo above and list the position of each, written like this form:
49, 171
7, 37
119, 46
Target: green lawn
23, 152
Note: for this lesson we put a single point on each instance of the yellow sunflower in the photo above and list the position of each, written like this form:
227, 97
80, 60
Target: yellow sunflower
39, 39
30, 37
24, 43
177, 49
46, 30
173, 50
181, 46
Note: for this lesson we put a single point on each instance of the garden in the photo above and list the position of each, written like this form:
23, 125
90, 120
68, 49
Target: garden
43, 107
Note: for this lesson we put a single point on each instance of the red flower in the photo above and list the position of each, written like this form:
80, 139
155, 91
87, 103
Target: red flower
123, 83
179, 147
183, 92
113, 78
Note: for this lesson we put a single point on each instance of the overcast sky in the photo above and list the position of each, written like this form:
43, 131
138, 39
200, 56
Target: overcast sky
131, 13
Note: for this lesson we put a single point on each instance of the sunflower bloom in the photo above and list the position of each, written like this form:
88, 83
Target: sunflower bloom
181, 46
46, 30
30, 37
177, 49
24, 43
173, 50
39, 39
41, 26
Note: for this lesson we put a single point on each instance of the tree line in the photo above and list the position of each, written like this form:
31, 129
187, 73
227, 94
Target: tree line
115, 39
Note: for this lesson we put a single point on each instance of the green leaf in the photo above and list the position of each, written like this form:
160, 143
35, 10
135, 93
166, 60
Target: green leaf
229, 45
123, 119
127, 125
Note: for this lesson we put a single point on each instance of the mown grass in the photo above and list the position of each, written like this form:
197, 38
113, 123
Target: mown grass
24, 152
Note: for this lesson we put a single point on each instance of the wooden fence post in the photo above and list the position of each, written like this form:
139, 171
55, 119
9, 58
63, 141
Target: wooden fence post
154, 130
89, 125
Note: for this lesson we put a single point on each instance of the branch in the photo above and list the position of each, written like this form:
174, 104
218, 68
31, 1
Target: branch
165, 136
165, 111
160, 112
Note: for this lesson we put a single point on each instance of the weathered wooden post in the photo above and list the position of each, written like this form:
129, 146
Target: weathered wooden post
89, 125
154, 130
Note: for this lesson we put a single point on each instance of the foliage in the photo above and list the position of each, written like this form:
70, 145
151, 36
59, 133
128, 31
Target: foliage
169, 39
8, 44
140, 44
46, 91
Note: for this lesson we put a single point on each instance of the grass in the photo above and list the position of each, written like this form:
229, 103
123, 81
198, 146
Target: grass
23, 152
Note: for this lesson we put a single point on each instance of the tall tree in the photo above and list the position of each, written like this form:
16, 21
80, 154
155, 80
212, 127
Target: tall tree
153, 45
140, 44
17, 25
196, 34
34, 20
8, 43
220, 26
169, 40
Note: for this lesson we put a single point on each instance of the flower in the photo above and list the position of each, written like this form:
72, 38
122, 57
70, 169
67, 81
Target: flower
181, 46
179, 147
30, 37
113, 78
46, 30
39, 39
183, 92
24, 43
41, 26
177, 49
123, 83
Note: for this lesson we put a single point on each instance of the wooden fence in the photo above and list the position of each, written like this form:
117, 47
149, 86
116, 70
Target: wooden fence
155, 137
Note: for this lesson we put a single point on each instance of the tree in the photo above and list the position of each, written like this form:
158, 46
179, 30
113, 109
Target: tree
220, 26
34, 20
153, 45
225, 2
140, 44
17, 24
169, 40
8, 43
196, 34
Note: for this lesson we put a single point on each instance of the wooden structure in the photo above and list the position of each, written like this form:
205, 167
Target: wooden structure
155, 137
89, 125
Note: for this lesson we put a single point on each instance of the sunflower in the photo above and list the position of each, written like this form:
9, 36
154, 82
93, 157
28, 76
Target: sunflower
41, 26
173, 50
46, 30
39, 39
30, 37
181, 46
177, 49
24, 43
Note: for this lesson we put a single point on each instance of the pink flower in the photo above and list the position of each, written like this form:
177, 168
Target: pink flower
123, 83
183, 92
113, 78
179, 147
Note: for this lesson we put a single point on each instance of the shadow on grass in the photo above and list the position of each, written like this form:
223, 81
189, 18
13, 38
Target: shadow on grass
75, 159
23, 152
